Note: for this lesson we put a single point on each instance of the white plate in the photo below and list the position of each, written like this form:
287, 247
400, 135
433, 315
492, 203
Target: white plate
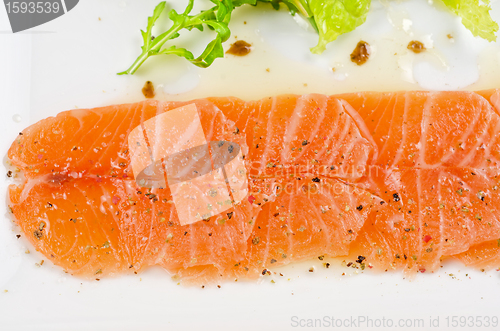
71, 62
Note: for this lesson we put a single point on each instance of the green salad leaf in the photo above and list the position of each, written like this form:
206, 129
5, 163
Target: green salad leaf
475, 16
336, 17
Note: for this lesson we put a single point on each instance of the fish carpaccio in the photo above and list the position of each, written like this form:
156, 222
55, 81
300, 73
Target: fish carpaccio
402, 179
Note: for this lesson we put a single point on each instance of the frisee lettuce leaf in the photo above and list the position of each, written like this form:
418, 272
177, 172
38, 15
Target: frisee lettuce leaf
475, 16
336, 17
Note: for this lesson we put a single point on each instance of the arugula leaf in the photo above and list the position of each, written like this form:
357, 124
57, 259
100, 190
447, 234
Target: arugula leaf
216, 18
336, 17
475, 16
146, 36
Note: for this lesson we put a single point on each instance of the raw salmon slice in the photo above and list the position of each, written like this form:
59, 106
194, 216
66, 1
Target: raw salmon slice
430, 214
84, 210
403, 179
104, 226
437, 170
308, 218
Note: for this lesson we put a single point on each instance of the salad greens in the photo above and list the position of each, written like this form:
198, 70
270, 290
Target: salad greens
330, 18
475, 16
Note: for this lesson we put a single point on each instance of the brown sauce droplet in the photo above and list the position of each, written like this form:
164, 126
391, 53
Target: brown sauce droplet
148, 90
240, 48
416, 46
361, 53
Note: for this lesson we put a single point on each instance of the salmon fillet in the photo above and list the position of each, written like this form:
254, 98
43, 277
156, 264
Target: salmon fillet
402, 179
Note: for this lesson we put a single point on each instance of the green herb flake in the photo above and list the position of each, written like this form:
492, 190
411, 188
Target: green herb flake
169, 237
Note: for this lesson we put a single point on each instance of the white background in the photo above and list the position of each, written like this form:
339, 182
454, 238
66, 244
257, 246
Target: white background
71, 62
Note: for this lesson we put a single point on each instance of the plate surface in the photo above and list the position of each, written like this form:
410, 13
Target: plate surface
72, 62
